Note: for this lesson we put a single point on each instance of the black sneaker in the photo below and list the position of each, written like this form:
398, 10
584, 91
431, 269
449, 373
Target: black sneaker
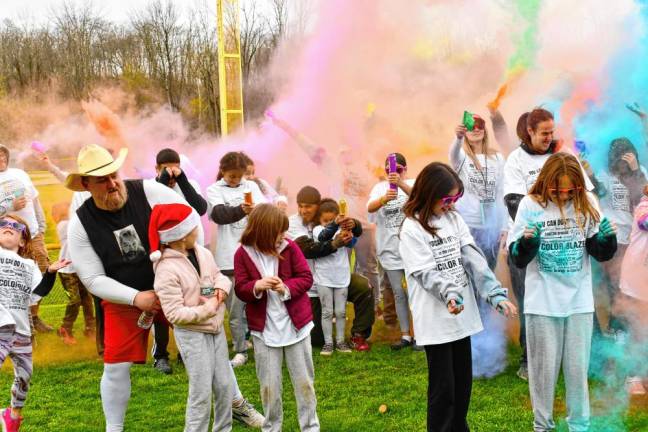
162, 365
327, 349
404, 343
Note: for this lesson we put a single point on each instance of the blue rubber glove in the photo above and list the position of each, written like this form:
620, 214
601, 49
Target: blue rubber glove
605, 228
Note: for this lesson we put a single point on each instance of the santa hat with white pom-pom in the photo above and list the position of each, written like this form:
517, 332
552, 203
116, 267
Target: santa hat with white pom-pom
168, 223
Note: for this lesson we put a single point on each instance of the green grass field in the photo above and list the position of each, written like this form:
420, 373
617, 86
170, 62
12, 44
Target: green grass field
65, 392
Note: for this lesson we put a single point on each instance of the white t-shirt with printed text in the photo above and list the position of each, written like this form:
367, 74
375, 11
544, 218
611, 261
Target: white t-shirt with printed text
482, 205
521, 171
616, 205
18, 279
388, 220
229, 235
15, 183
421, 251
559, 278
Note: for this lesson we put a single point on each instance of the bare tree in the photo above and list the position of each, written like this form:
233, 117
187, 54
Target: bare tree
78, 30
166, 46
278, 22
157, 56
253, 35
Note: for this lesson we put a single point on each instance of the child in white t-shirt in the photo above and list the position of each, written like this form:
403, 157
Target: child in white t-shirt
557, 227
332, 275
231, 199
22, 286
443, 267
385, 209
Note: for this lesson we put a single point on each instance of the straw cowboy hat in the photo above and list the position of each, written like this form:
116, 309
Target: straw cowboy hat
94, 161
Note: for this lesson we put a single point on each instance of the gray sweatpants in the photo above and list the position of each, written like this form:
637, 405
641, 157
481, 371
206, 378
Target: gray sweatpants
550, 342
269, 364
237, 320
400, 297
333, 301
19, 348
207, 363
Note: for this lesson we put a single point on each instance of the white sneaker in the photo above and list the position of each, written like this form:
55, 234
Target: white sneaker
635, 386
620, 337
239, 360
246, 413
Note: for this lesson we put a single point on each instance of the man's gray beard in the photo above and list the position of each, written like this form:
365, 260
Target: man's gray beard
114, 203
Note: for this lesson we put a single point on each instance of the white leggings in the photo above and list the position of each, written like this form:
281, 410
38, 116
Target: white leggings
115, 393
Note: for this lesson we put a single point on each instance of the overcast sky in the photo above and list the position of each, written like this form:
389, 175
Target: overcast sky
39, 11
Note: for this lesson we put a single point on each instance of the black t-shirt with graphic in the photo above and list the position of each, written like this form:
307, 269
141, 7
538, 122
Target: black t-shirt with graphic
120, 238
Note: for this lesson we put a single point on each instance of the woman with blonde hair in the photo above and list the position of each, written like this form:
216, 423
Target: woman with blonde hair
480, 167
558, 226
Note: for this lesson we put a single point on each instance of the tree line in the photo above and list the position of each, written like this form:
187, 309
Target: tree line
159, 56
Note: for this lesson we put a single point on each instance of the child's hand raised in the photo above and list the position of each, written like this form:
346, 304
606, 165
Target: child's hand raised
58, 265
393, 178
247, 208
532, 231
631, 160
455, 307
20, 203
635, 108
347, 224
342, 238
507, 309
390, 195
460, 131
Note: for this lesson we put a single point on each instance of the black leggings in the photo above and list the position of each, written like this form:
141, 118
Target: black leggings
449, 385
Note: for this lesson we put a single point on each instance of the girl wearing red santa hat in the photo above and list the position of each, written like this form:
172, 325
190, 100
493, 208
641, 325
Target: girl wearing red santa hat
192, 293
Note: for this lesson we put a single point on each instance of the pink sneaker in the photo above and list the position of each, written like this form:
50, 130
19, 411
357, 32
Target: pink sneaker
9, 424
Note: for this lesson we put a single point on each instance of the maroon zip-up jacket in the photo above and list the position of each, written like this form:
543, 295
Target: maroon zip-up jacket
295, 274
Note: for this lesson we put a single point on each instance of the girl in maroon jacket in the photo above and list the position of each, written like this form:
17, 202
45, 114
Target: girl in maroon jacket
272, 278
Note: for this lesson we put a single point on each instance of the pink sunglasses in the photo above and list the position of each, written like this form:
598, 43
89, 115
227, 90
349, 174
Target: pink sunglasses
451, 199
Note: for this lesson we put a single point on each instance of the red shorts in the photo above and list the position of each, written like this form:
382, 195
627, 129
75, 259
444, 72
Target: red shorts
124, 341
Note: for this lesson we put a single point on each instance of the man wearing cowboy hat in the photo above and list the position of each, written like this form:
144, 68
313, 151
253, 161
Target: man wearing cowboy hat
108, 240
